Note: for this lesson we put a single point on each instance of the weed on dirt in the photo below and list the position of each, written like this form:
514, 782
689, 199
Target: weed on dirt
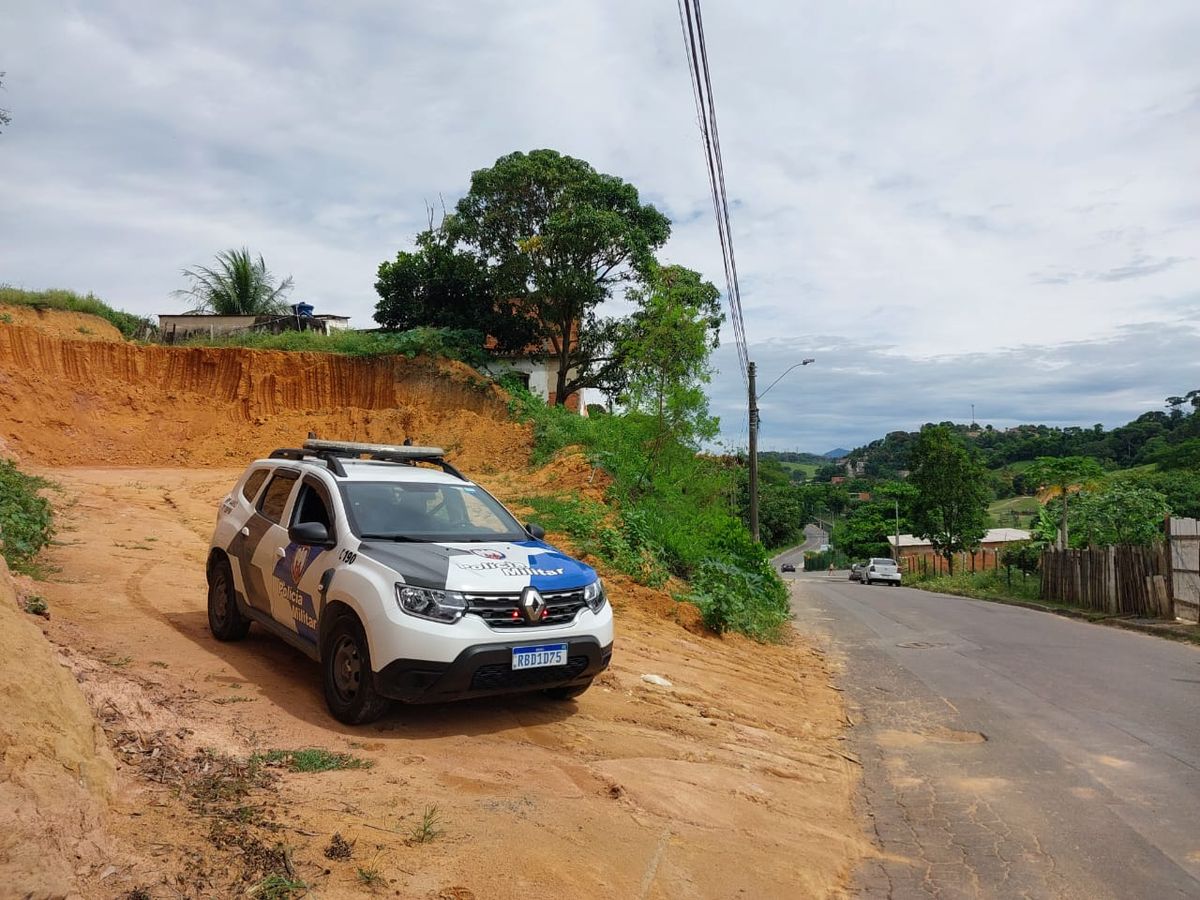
428, 828
312, 759
37, 606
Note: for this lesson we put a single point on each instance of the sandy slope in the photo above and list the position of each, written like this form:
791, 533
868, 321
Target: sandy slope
731, 780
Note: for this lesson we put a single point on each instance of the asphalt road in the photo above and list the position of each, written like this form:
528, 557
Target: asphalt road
1013, 753
814, 537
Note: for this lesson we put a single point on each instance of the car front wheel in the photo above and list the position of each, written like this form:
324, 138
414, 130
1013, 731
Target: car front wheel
346, 669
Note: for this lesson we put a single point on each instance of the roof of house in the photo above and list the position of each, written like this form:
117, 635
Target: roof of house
993, 536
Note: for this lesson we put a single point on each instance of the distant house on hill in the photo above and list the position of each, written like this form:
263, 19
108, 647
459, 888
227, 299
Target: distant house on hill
912, 549
537, 368
176, 327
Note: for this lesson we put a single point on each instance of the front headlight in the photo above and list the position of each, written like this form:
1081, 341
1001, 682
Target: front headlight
594, 595
429, 603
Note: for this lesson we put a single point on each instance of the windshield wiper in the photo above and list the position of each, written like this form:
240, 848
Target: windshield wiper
405, 538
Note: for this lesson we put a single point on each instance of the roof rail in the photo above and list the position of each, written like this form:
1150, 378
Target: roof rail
392, 453
334, 464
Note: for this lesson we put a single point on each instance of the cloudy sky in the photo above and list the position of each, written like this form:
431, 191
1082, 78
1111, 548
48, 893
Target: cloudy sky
943, 203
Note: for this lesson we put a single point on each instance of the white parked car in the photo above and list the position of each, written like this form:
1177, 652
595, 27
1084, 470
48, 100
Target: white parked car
881, 571
404, 582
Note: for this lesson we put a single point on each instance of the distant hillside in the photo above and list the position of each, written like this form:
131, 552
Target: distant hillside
836, 454
1171, 437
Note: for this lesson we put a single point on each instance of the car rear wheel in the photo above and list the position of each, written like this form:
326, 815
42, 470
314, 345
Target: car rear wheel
346, 669
569, 692
225, 621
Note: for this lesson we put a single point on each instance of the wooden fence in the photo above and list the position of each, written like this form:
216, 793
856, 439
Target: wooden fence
1183, 565
1122, 580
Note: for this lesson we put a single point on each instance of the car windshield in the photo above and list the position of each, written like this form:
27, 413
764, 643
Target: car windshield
415, 511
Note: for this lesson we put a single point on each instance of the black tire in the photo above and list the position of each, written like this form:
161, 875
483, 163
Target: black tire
346, 672
867, 582
567, 692
225, 620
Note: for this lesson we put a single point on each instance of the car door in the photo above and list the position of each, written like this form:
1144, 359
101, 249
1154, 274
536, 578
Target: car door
266, 538
296, 576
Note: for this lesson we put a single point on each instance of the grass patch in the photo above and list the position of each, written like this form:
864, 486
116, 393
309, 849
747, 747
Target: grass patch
1013, 512
236, 698
278, 887
36, 605
312, 759
429, 828
369, 877
444, 342
128, 324
994, 584
26, 518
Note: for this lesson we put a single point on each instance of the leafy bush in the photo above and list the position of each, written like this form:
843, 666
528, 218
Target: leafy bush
820, 561
26, 522
992, 584
444, 342
673, 515
128, 324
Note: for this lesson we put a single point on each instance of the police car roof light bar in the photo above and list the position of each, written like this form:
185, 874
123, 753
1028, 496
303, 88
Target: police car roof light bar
405, 455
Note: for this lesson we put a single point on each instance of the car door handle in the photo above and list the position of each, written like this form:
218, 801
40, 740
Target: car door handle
280, 552
246, 531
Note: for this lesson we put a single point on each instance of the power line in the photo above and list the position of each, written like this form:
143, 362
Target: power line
692, 26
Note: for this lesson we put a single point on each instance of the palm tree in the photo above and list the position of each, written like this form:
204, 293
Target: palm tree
239, 285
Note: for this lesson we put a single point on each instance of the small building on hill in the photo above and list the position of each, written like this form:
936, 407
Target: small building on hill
537, 368
176, 327
912, 550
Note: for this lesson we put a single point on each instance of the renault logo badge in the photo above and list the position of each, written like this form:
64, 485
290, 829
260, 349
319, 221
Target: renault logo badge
532, 604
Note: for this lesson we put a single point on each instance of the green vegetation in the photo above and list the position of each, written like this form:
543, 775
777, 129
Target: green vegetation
128, 324
1064, 473
239, 285
1116, 513
26, 517
672, 513
444, 342
994, 584
278, 887
36, 605
1013, 512
531, 253
429, 827
312, 759
950, 506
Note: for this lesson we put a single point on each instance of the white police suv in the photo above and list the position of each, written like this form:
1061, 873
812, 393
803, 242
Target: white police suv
403, 581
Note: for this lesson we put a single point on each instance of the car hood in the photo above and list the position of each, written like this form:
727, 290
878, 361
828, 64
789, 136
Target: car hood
499, 567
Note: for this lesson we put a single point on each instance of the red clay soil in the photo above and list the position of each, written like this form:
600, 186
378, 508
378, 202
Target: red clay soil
71, 402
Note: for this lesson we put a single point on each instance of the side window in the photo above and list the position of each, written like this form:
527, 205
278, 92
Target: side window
275, 497
312, 507
253, 483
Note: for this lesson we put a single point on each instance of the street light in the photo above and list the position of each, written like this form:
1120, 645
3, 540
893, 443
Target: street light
754, 398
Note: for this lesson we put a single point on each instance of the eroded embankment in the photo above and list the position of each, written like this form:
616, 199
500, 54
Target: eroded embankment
66, 402
56, 772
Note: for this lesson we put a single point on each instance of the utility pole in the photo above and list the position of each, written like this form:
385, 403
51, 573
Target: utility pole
896, 500
753, 453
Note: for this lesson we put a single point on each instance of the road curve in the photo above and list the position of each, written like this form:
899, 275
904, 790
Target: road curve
1009, 752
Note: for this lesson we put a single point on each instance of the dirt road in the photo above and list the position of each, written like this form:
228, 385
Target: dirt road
732, 782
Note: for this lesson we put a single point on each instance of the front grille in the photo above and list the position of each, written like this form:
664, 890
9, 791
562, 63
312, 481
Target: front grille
500, 676
504, 610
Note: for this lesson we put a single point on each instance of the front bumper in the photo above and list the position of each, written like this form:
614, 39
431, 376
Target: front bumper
486, 669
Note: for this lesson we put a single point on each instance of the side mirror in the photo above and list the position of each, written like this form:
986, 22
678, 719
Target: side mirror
312, 533
537, 532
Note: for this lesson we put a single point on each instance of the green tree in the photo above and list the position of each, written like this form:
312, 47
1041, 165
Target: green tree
1063, 474
950, 509
439, 286
239, 285
1119, 514
558, 238
663, 350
